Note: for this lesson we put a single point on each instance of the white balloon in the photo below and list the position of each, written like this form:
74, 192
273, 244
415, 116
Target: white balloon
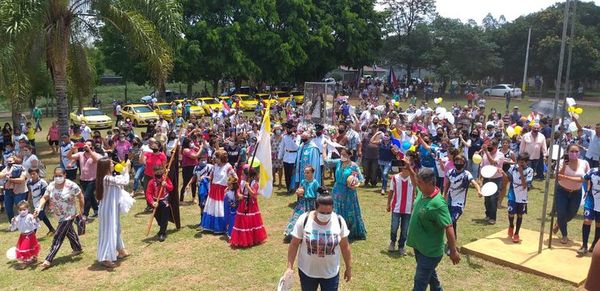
418, 112
573, 127
11, 254
449, 117
440, 110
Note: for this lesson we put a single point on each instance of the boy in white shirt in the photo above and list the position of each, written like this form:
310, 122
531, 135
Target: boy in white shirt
520, 175
400, 200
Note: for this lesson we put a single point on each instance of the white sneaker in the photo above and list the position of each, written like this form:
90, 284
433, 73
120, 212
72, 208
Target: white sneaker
392, 247
402, 251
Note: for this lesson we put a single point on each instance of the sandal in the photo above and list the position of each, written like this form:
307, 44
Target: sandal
122, 256
108, 264
45, 265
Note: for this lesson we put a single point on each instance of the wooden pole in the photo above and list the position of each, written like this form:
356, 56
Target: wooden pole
161, 190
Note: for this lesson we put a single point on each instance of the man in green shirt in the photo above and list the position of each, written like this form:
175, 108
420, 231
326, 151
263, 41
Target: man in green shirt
429, 221
37, 116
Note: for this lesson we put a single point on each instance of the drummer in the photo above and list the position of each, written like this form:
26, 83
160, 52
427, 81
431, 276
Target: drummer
492, 156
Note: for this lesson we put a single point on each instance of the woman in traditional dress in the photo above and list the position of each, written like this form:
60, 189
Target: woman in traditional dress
345, 198
213, 219
307, 194
248, 229
108, 193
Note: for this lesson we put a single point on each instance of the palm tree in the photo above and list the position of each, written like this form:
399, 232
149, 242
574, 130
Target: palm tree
62, 27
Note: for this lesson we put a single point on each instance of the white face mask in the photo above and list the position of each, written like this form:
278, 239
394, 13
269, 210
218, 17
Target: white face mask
323, 217
344, 159
59, 180
24, 212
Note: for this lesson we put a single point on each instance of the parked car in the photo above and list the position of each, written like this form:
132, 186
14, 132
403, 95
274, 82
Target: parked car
298, 96
247, 102
195, 109
140, 114
92, 116
501, 89
267, 98
164, 110
169, 96
209, 103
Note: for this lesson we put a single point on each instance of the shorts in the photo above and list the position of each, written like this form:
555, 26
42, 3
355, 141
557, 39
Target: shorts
516, 208
590, 214
53, 142
455, 213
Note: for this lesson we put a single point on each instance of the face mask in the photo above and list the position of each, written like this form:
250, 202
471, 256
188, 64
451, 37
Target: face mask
573, 156
26, 153
386, 138
323, 217
535, 131
278, 132
24, 212
9, 164
59, 180
490, 149
155, 150
157, 177
459, 166
304, 140
319, 133
344, 159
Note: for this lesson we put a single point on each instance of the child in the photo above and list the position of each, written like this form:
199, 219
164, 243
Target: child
307, 195
37, 188
520, 175
27, 245
400, 200
157, 195
591, 210
248, 229
202, 172
455, 189
231, 203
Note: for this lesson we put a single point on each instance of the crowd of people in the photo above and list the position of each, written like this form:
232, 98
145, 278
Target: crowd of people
423, 157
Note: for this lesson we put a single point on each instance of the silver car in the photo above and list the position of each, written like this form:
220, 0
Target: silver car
501, 89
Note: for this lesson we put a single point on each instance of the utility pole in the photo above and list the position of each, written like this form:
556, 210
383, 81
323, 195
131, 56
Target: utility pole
549, 159
524, 86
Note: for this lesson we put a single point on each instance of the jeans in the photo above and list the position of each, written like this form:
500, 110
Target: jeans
10, 200
566, 204
538, 167
474, 169
288, 172
187, 174
385, 167
38, 125
88, 188
425, 274
137, 176
491, 202
370, 167
312, 284
399, 220
43, 217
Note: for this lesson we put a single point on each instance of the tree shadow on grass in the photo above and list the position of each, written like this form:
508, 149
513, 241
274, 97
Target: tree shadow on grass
396, 254
472, 264
480, 221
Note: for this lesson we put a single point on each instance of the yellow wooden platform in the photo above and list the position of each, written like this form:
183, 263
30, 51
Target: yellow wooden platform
560, 262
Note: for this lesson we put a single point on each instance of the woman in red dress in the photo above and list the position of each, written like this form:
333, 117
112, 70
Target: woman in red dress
248, 229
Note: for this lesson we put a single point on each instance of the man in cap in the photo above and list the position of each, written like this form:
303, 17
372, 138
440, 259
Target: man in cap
288, 151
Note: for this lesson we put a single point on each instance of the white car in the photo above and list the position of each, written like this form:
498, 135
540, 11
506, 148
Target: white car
501, 89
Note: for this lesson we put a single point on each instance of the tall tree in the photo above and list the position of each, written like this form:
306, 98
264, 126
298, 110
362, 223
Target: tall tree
404, 17
61, 21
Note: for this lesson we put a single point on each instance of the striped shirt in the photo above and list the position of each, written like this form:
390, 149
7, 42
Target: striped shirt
402, 194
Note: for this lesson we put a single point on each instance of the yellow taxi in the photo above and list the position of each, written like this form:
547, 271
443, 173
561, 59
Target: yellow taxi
247, 102
282, 96
140, 114
266, 97
195, 109
92, 117
298, 96
164, 110
209, 104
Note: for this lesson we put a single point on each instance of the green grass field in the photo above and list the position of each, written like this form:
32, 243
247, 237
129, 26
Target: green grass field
189, 260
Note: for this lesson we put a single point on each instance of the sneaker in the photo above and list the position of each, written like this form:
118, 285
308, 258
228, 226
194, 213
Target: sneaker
392, 247
94, 215
487, 219
161, 237
492, 221
402, 251
516, 238
511, 231
582, 251
564, 240
382, 192
148, 209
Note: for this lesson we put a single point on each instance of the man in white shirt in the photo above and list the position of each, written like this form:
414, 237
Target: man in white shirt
162, 126
288, 150
86, 131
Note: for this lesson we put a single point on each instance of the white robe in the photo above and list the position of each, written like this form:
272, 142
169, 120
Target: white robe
109, 229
